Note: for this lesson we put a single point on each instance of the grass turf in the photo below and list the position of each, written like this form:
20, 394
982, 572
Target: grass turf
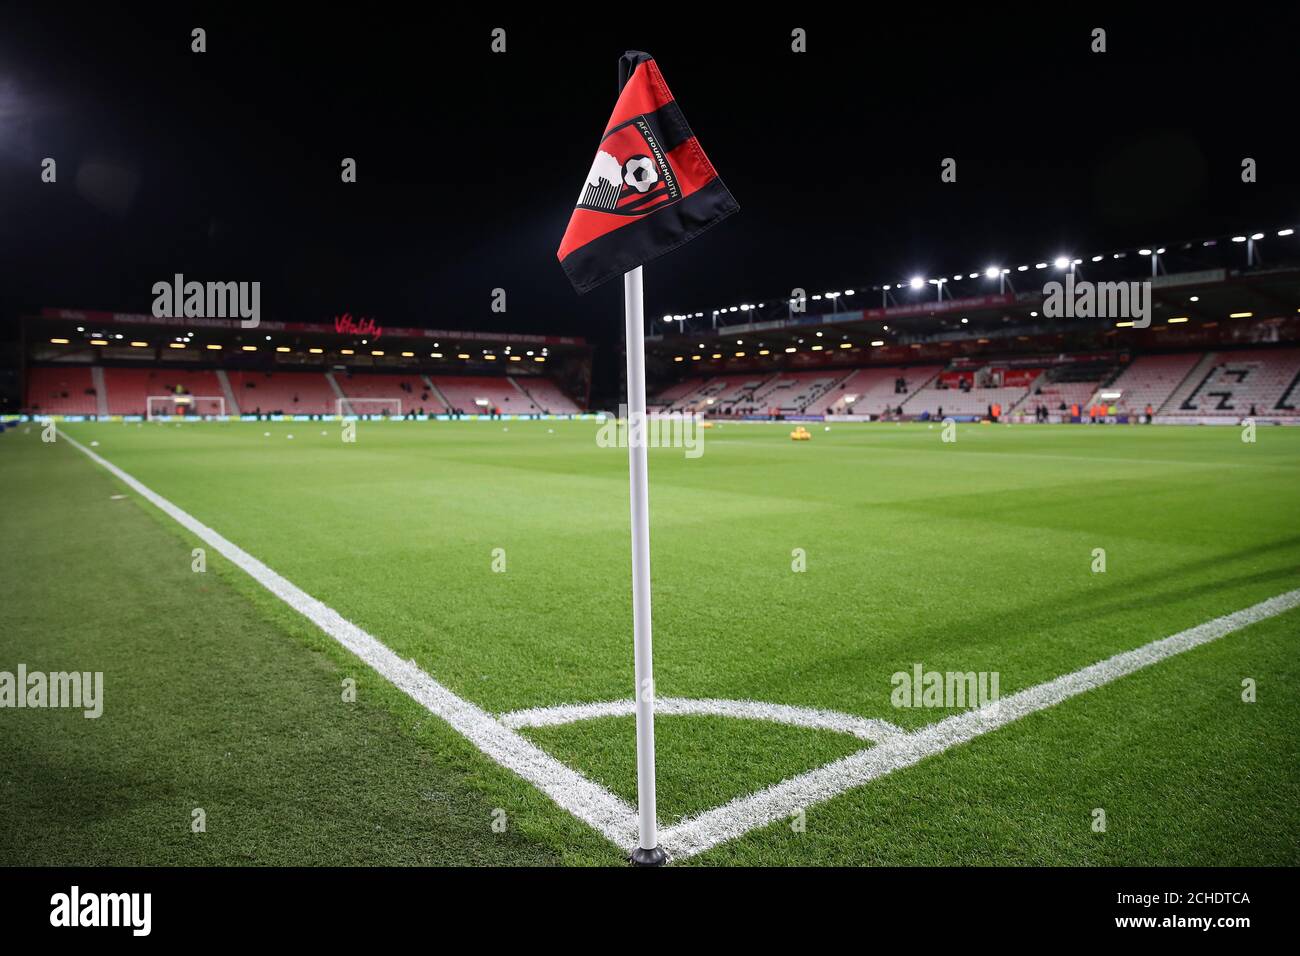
971, 556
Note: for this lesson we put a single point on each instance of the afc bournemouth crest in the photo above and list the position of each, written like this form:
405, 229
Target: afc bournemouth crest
631, 175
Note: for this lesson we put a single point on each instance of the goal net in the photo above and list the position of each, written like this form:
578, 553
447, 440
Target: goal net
392, 407
184, 406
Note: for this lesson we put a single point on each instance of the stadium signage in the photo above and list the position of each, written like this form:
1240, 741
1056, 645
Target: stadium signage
314, 328
968, 303
346, 325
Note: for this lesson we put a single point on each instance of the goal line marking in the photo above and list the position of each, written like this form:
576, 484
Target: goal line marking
613, 817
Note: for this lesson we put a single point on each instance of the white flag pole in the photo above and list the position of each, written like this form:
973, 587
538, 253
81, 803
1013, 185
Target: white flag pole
648, 851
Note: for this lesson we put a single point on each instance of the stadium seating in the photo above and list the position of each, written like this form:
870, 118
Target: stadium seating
292, 393
410, 390
128, 389
699, 399
65, 390
1229, 384
546, 396
479, 394
1054, 395
678, 391
1148, 380
738, 391
70, 390
1183, 385
793, 392
957, 402
873, 388
1063, 387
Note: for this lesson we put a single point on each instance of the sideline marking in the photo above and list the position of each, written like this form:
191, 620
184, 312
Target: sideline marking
613, 817
584, 798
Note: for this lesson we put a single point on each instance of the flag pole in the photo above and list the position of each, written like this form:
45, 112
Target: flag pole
648, 852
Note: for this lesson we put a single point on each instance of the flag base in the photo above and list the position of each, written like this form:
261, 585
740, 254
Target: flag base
655, 857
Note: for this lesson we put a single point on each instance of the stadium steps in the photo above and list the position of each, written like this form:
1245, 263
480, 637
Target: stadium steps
436, 392
712, 387
767, 388
920, 388
826, 390
1105, 384
1199, 371
1029, 392
232, 406
914, 393
338, 392
545, 397
101, 390
524, 392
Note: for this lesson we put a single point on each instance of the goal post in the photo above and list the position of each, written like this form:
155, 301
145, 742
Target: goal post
184, 406
358, 407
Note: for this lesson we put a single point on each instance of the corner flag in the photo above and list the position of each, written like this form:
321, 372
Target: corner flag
650, 189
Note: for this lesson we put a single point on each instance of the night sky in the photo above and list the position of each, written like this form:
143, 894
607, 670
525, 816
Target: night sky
225, 165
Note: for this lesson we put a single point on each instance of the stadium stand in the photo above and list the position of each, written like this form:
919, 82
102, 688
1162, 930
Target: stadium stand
410, 390
72, 390
545, 396
678, 390
793, 392
1147, 380
128, 389
934, 397
698, 400
480, 394
290, 393
1230, 384
739, 392
61, 390
1062, 388
868, 390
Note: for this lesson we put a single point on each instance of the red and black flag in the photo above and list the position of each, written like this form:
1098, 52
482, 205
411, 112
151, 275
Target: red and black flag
650, 189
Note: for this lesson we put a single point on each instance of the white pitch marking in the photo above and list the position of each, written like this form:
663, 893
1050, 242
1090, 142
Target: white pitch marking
789, 796
615, 819
585, 799
864, 728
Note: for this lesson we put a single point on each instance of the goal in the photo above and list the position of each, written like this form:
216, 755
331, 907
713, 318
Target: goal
358, 407
184, 406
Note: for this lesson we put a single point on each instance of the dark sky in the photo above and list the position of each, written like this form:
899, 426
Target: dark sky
225, 165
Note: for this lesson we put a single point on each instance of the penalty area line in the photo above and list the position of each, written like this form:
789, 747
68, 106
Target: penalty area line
584, 798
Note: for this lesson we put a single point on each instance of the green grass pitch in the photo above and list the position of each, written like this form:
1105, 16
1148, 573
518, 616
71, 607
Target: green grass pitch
975, 555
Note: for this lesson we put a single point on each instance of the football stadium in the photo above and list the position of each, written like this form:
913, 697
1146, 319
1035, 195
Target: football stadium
983, 551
